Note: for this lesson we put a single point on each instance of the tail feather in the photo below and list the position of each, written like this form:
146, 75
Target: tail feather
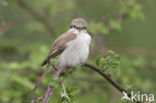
51, 55
45, 62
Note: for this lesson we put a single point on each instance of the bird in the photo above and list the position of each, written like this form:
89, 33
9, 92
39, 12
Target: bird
72, 47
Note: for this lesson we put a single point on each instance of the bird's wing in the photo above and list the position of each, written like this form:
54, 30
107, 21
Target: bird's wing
59, 46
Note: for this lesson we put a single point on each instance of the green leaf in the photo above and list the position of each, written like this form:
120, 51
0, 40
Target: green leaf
109, 62
116, 25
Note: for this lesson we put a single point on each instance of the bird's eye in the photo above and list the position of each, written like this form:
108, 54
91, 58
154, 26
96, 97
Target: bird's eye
84, 27
74, 26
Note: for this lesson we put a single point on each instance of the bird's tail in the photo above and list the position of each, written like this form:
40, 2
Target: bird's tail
45, 62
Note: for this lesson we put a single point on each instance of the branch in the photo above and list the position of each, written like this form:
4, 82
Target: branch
109, 79
119, 20
37, 15
48, 69
50, 88
10, 25
49, 91
108, 16
117, 86
37, 99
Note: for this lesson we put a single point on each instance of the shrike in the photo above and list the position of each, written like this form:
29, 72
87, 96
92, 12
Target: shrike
72, 47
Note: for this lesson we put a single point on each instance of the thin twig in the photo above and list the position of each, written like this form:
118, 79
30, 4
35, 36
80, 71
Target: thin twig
37, 99
48, 69
108, 17
4, 28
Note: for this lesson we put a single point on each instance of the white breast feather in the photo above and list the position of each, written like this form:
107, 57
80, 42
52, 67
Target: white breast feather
77, 50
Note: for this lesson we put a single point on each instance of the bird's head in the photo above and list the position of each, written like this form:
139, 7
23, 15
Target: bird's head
79, 24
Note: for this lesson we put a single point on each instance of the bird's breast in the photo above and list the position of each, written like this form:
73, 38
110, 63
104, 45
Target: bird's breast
76, 51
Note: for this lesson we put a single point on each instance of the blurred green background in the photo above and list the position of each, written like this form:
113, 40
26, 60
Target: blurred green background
29, 27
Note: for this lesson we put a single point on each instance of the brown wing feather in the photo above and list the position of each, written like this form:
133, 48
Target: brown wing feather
59, 46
